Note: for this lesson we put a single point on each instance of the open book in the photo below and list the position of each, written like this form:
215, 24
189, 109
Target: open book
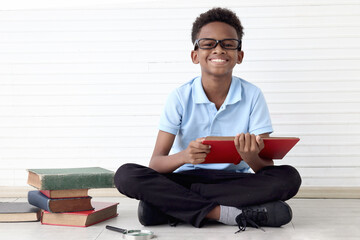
223, 149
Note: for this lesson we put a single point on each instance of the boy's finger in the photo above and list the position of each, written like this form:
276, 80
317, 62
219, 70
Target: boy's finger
242, 142
247, 141
254, 144
236, 140
200, 140
260, 142
200, 145
198, 161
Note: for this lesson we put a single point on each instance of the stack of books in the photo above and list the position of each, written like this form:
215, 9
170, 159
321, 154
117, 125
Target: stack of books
62, 194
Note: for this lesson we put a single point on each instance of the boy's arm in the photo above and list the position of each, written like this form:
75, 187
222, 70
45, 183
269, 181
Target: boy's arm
249, 147
162, 162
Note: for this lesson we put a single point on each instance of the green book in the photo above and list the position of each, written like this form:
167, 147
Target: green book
70, 178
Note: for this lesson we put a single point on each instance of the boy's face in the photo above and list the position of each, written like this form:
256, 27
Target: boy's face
217, 62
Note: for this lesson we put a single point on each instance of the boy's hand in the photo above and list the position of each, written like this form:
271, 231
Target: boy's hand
196, 152
248, 146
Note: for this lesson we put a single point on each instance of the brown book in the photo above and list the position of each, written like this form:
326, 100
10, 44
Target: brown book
69, 193
18, 212
57, 205
102, 212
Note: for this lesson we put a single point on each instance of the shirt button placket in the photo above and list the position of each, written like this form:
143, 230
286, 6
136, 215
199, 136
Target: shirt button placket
213, 113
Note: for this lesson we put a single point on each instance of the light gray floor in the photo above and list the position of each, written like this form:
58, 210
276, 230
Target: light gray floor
313, 219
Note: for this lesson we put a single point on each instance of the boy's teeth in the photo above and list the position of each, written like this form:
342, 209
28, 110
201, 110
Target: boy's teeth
217, 60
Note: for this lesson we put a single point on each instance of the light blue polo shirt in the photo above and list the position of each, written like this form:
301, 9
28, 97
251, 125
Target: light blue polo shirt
189, 115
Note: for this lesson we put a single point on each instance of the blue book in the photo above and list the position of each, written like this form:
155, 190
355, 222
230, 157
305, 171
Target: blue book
58, 205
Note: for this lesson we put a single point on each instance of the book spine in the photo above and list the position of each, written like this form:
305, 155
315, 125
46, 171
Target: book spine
66, 193
77, 181
44, 222
36, 198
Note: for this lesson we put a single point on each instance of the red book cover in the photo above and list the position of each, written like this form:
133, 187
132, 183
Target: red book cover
223, 149
102, 211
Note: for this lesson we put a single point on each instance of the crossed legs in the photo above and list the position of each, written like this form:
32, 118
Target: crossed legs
192, 196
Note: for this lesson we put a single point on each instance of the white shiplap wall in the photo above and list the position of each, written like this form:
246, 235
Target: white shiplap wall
84, 84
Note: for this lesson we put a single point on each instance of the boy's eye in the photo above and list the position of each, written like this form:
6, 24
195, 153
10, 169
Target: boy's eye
207, 43
231, 44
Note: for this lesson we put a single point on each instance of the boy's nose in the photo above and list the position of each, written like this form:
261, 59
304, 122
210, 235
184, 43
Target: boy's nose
219, 49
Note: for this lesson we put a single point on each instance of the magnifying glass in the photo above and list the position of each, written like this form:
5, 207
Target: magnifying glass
133, 234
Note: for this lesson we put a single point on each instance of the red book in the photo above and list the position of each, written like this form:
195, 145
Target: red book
102, 211
223, 149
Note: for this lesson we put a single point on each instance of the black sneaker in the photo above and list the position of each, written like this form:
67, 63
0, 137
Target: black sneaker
272, 214
149, 215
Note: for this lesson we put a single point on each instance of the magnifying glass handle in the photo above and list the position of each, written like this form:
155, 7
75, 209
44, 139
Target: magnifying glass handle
116, 229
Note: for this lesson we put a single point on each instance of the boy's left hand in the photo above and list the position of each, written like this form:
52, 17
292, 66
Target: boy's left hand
248, 146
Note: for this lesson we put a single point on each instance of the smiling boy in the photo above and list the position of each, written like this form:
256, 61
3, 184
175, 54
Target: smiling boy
176, 186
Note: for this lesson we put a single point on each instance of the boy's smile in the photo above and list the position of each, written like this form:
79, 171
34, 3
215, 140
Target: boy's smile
217, 62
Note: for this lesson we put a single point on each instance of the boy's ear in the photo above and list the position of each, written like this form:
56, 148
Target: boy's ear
240, 57
195, 56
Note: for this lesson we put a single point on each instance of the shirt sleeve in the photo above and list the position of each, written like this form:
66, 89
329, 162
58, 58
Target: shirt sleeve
260, 121
170, 119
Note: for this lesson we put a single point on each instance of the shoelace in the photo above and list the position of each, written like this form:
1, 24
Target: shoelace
173, 222
243, 219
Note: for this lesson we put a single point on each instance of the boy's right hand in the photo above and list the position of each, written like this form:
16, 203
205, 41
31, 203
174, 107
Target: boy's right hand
196, 152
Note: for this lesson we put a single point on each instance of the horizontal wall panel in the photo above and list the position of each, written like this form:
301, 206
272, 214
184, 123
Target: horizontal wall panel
114, 150
173, 67
80, 152
182, 35
330, 161
81, 142
122, 86
174, 56
164, 89
316, 118
123, 110
285, 9
319, 128
26, 52
331, 181
80, 120
139, 109
89, 118
268, 77
140, 46
330, 172
119, 89
270, 66
174, 24
301, 76
80, 132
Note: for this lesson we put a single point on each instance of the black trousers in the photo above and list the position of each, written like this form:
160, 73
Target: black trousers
191, 195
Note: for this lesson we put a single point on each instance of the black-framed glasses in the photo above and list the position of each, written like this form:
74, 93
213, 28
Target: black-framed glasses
210, 43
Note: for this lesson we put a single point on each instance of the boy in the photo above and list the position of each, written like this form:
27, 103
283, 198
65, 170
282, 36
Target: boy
177, 187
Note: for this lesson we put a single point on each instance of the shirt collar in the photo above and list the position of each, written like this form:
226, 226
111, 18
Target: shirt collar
198, 92
234, 94
235, 91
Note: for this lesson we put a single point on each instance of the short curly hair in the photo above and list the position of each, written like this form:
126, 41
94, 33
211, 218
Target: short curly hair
216, 15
